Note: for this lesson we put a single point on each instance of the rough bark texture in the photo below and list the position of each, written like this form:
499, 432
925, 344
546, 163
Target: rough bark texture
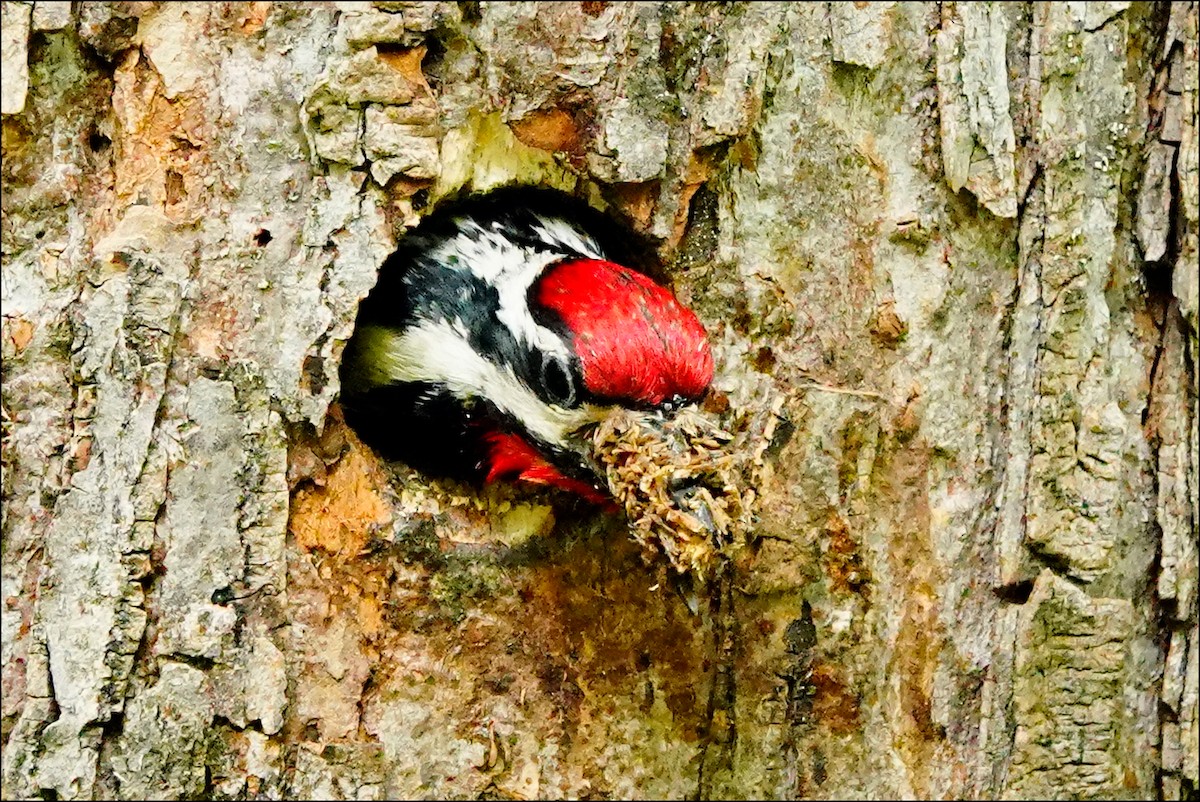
959, 239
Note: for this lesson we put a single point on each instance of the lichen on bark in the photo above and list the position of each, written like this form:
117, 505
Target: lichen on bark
957, 241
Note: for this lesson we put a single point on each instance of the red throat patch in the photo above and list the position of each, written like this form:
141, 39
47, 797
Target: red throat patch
634, 340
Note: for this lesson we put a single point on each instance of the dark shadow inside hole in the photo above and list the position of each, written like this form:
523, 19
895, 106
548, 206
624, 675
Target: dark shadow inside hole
435, 55
98, 142
262, 237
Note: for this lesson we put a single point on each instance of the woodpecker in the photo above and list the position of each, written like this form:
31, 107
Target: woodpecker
500, 328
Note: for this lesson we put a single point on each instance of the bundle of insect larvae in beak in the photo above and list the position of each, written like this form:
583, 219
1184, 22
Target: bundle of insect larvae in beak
687, 485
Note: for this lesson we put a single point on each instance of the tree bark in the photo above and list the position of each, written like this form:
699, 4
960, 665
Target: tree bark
958, 240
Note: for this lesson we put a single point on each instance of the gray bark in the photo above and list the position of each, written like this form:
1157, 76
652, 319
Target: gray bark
959, 240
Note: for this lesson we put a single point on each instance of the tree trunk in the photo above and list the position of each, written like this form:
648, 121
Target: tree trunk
958, 240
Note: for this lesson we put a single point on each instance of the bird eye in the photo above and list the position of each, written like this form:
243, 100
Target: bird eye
557, 382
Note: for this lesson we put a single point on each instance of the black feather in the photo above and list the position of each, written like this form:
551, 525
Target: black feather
423, 426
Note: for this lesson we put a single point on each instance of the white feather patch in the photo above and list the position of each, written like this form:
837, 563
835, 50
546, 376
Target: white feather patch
435, 351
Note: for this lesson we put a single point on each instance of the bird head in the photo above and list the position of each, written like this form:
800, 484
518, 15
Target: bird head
502, 329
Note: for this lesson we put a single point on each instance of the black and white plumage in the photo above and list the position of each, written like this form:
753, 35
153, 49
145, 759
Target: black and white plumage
499, 328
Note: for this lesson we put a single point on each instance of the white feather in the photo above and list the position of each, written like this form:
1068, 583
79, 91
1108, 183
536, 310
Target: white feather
560, 232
